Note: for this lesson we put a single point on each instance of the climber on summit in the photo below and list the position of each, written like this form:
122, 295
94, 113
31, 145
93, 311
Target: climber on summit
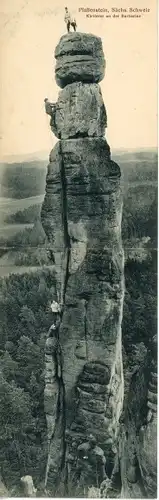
69, 21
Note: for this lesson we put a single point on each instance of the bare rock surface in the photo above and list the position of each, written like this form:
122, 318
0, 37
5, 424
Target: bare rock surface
147, 456
4, 493
79, 57
81, 216
93, 440
80, 111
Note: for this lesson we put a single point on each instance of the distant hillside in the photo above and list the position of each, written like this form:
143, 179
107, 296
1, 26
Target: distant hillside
11, 206
22, 180
25, 216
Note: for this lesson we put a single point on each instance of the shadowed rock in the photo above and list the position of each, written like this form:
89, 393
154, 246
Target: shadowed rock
147, 456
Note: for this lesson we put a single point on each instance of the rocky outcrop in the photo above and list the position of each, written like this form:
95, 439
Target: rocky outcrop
80, 112
147, 439
79, 58
147, 456
81, 216
54, 404
138, 432
4, 493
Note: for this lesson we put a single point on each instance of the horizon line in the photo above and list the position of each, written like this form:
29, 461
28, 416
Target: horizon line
39, 155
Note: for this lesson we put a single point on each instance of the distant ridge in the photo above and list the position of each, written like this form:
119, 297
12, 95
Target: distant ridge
44, 155
37, 156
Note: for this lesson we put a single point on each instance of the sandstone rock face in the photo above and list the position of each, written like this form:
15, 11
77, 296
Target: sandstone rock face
130, 477
138, 433
52, 209
53, 215
81, 215
80, 112
147, 456
54, 404
147, 439
4, 493
79, 58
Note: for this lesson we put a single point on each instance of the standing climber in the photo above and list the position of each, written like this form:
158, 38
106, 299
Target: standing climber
73, 24
69, 21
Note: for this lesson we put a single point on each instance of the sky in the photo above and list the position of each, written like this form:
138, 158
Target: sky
30, 31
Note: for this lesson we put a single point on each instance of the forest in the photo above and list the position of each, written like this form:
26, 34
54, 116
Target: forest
22, 180
25, 316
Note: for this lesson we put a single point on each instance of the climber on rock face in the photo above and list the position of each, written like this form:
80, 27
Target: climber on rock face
49, 107
55, 307
28, 486
56, 310
69, 21
95, 461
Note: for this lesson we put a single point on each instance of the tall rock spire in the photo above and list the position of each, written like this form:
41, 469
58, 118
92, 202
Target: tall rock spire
81, 215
